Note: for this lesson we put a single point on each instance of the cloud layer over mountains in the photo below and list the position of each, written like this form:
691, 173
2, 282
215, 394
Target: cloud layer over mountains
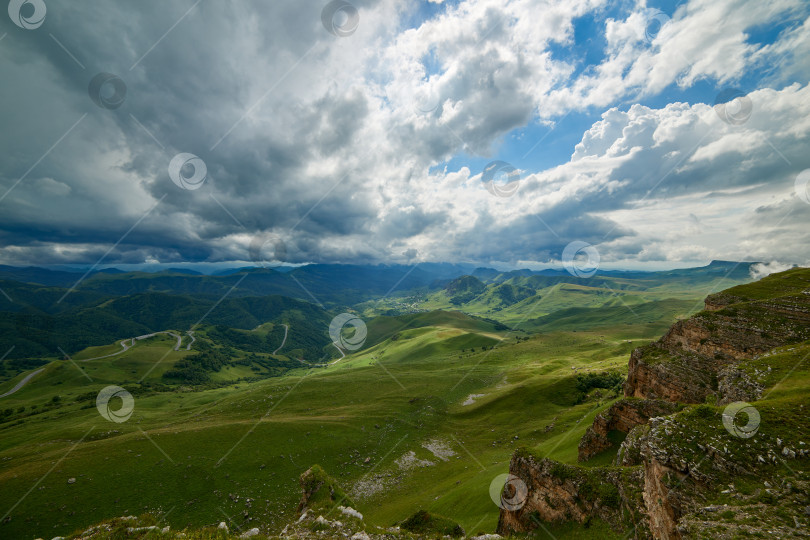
342, 146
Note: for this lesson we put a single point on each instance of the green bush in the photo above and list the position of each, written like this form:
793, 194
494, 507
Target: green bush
424, 523
196, 369
588, 381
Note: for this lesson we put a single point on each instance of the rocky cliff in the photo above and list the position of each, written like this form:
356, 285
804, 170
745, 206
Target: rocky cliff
689, 363
560, 492
689, 466
621, 417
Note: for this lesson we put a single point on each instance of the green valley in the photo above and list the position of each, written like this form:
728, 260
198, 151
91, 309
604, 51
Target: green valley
426, 415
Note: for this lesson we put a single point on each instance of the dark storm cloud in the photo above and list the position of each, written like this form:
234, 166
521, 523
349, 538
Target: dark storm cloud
184, 95
321, 140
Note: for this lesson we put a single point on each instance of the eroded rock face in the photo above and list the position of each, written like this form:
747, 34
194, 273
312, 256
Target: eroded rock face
670, 476
655, 373
734, 384
622, 416
670, 464
721, 335
690, 362
665, 513
558, 492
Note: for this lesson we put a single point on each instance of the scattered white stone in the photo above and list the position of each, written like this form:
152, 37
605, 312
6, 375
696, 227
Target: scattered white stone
223, 526
360, 536
303, 516
71, 480
471, 399
349, 511
252, 532
487, 537
440, 449
409, 461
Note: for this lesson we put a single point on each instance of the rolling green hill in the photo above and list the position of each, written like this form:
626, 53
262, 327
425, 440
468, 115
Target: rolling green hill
406, 389
523, 299
34, 332
653, 317
424, 416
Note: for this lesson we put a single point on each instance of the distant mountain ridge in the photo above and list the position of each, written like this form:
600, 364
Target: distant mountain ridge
38, 311
537, 301
421, 274
325, 283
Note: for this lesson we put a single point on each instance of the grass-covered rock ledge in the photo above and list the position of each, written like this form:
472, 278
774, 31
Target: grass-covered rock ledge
687, 467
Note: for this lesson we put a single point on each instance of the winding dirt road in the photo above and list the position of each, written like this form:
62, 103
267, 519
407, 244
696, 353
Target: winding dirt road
342, 355
145, 336
283, 341
22, 382
124, 348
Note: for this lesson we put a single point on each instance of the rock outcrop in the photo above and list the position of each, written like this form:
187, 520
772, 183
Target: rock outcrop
676, 458
688, 364
559, 492
621, 417
318, 490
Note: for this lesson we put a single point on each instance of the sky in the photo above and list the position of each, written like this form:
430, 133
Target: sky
491, 132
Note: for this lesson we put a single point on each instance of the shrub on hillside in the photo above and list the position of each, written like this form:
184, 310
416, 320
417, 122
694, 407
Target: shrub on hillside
588, 381
424, 523
196, 369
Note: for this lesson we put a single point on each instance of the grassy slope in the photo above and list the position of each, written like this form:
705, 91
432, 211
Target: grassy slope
412, 388
534, 303
406, 388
